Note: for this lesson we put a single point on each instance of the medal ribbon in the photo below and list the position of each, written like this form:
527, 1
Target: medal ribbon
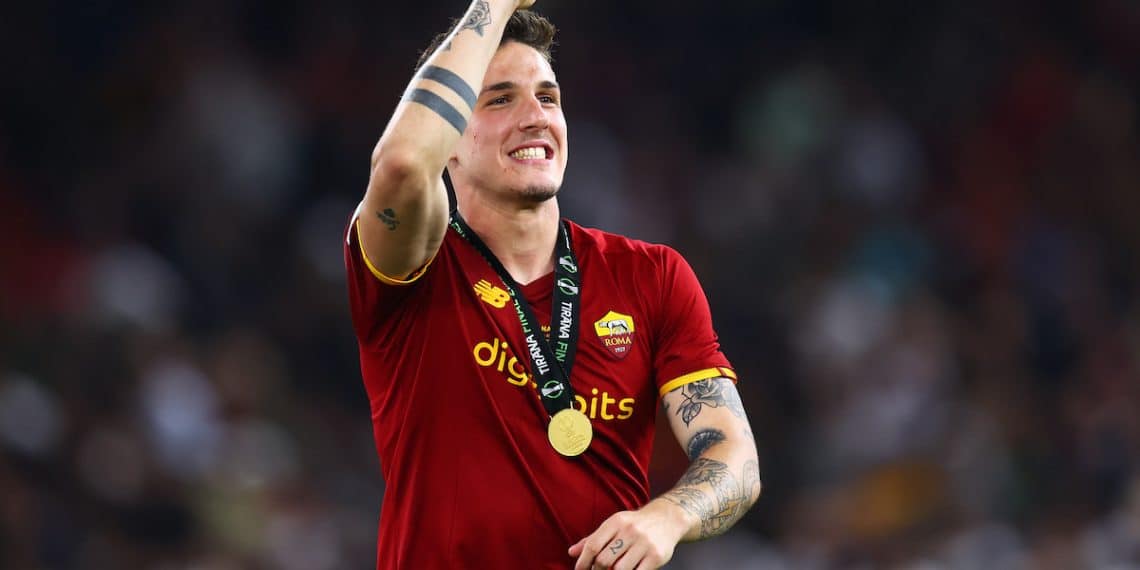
551, 357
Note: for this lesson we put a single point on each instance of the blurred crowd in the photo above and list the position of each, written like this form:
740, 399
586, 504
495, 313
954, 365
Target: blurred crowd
916, 224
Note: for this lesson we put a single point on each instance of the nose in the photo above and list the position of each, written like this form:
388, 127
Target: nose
533, 116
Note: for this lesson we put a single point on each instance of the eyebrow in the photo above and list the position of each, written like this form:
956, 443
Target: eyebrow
508, 85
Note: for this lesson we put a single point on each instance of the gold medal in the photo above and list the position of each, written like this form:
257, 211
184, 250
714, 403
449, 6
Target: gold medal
570, 432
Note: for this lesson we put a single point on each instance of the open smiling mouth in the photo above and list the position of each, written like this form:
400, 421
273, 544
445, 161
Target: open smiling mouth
532, 153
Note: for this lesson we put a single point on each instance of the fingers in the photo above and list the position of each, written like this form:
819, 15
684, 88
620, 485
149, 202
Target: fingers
626, 541
611, 552
618, 553
576, 548
592, 545
633, 558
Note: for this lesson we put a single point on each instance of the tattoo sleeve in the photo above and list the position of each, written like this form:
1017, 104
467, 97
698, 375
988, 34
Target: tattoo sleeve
710, 490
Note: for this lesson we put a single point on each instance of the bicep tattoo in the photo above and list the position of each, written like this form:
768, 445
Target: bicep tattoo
712, 392
388, 216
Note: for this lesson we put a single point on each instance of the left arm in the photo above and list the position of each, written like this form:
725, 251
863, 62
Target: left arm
720, 485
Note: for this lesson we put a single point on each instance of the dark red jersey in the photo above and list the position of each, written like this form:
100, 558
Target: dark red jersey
471, 479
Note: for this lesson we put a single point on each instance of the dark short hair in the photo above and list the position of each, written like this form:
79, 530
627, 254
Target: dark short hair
524, 27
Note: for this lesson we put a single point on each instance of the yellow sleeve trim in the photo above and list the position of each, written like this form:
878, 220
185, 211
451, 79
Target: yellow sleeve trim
696, 377
415, 275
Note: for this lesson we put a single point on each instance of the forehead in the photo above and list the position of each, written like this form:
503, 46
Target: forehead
518, 63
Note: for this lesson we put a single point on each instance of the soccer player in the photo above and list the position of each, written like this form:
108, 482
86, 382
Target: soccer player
513, 360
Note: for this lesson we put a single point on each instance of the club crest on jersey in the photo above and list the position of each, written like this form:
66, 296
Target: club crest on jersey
615, 330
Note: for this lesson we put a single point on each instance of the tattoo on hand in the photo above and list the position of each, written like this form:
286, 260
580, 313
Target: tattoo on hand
479, 18
388, 216
713, 392
616, 546
702, 441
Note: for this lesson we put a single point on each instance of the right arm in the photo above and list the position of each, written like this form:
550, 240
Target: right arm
403, 217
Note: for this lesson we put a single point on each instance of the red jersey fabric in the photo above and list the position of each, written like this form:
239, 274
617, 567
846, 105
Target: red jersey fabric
471, 479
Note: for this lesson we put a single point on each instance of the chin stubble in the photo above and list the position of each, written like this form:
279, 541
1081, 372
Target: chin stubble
538, 194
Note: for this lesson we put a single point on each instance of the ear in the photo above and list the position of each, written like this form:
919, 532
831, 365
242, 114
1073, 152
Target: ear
454, 157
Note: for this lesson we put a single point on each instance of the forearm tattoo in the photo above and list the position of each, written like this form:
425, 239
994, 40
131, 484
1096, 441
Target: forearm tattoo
712, 392
449, 79
478, 18
440, 106
730, 497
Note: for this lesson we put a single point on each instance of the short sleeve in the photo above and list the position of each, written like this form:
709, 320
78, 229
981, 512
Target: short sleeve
373, 297
687, 347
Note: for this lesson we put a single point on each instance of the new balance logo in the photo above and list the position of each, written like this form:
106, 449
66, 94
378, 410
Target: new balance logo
493, 295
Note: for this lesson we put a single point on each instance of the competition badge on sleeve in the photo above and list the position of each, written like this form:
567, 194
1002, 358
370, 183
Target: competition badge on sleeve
615, 330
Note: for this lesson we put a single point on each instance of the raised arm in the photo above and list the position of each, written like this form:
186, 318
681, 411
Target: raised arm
404, 213
720, 485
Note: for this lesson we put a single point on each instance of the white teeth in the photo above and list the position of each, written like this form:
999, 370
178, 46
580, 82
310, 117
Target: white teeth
531, 152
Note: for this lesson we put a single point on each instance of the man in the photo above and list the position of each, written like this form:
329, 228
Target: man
504, 445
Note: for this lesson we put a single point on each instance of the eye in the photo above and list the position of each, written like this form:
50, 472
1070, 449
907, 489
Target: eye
548, 99
500, 100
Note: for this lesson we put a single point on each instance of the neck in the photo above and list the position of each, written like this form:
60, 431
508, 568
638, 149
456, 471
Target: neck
522, 238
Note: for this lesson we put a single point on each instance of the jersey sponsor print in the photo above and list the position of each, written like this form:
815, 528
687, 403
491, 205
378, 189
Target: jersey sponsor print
457, 414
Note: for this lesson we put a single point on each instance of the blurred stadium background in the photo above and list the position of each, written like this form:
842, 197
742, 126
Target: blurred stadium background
916, 223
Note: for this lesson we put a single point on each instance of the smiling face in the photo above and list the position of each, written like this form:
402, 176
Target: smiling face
514, 146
